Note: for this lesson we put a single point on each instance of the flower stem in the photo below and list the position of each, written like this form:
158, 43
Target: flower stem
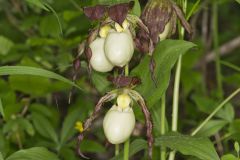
215, 111
126, 144
183, 3
163, 112
116, 149
216, 49
126, 150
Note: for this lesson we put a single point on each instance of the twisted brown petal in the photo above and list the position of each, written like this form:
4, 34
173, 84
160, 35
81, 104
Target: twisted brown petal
87, 124
139, 99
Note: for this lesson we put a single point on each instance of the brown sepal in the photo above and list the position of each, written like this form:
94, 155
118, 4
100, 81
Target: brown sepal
95, 12
123, 81
118, 12
182, 19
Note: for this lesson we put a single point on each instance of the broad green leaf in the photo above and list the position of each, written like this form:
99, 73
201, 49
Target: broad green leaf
38, 3
1, 108
35, 153
238, 1
5, 45
165, 55
212, 127
25, 70
34, 86
136, 146
44, 127
1, 156
92, 146
229, 157
199, 147
49, 26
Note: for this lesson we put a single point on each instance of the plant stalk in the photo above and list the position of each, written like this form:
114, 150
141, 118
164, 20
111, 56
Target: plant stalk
126, 144
163, 113
126, 150
183, 3
116, 149
215, 111
216, 48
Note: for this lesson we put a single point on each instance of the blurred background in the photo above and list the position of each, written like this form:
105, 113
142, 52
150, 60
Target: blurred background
37, 111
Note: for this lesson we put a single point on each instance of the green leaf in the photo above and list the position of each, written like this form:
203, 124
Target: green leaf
27, 84
137, 8
68, 124
5, 45
229, 157
199, 147
136, 146
44, 127
25, 70
37, 3
165, 55
212, 127
1, 108
35, 153
238, 1
91, 146
236, 147
49, 26
100, 82
1, 156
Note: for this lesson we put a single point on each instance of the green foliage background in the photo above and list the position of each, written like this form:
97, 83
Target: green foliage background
37, 121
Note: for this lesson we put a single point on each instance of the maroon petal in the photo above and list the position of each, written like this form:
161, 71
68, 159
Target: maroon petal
118, 13
96, 12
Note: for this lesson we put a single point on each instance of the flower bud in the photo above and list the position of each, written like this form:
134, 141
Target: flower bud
160, 18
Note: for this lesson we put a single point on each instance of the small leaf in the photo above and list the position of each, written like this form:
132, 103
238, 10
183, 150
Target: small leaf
229, 157
38, 3
199, 147
137, 8
35, 153
236, 146
1, 156
165, 55
1, 108
25, 70
44, 127
5, 45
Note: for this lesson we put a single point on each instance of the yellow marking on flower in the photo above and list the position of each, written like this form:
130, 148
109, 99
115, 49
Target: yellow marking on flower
79, 126
123, 101
124, 26
104, 31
